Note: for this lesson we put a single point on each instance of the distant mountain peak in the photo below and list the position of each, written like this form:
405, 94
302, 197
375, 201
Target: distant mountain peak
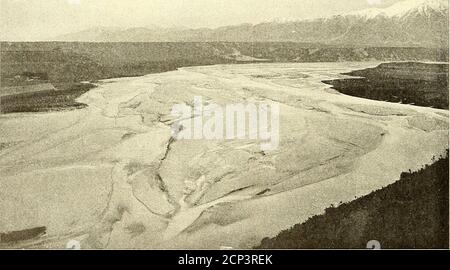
404, 8
422, 23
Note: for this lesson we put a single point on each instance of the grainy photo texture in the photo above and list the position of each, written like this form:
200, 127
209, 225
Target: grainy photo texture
232, 124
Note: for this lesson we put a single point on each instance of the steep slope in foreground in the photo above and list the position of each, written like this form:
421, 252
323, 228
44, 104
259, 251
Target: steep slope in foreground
411, 213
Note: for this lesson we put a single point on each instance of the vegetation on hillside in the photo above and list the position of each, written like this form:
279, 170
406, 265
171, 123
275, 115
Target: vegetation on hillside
410, 213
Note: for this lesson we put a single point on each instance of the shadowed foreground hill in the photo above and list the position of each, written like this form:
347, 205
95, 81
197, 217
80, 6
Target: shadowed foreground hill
411, 213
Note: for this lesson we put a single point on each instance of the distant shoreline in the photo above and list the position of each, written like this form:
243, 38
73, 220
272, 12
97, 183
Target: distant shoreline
65, 99
415, 83
64, 65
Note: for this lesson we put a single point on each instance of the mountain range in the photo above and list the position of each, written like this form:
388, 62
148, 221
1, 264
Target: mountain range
421, 23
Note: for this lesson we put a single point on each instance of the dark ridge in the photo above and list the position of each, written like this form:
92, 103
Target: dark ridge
415, 83
43, 101
411, 213
23, 235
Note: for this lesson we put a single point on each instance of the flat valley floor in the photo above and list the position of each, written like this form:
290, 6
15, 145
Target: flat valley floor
110, 176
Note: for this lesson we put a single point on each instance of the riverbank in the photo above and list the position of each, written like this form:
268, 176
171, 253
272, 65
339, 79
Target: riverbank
411, 213
64, 65
45, 101
416, 83
110, 176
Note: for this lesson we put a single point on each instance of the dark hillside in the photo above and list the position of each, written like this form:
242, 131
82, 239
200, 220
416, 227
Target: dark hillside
411, 213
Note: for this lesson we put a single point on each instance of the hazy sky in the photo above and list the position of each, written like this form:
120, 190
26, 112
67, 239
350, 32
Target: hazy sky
40, 19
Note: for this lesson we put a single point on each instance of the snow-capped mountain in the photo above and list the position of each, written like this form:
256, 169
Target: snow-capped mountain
408, 23
404, 9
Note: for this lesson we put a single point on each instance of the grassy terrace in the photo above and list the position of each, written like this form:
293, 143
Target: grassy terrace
415, 83
47, 100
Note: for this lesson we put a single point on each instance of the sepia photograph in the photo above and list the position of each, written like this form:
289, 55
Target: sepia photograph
224, 125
